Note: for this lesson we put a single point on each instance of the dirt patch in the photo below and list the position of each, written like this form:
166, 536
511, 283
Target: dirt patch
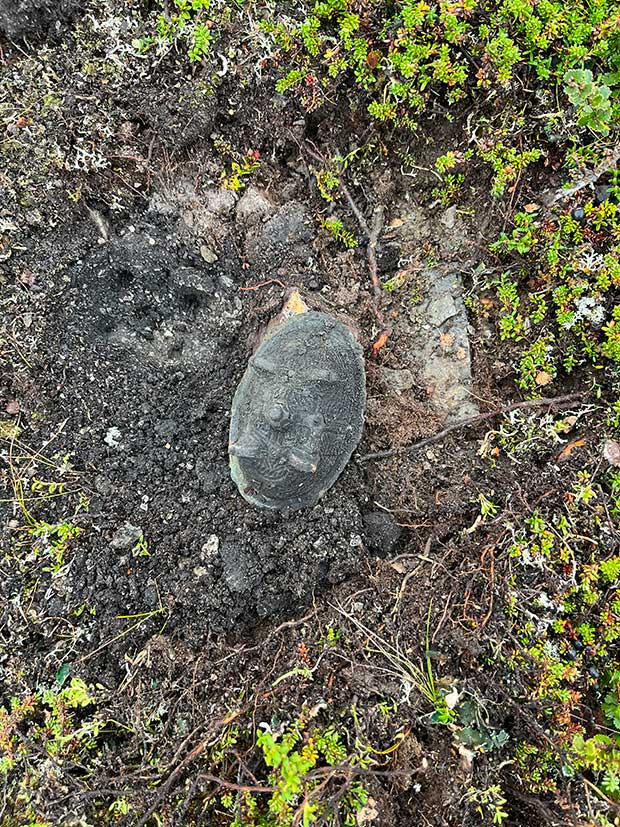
144, 345
19, 18
147, 334
142, 353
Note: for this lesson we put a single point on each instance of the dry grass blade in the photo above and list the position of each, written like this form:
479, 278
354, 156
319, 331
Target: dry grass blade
402, 667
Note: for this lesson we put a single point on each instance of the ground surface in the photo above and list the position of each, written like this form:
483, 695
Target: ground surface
152, 621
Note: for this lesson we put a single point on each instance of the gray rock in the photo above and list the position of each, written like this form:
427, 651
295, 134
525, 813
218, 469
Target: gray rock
126, 536
440, 306
211, 547
448, 219
240, 568
601, 193
397, 381
286, 235
253, 207
292, 224
203, 214
113, 437
207, 254
442, 344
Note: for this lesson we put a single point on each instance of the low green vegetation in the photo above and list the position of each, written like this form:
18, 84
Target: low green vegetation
567, 315
240, 171
43, 738
191, 25
562, 604
299, 763
41, 532
336, 229
403, 55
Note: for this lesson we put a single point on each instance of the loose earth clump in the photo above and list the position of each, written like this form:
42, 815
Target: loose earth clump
429, 635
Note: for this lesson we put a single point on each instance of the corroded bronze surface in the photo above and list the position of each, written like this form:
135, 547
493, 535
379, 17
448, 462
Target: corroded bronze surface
298, 412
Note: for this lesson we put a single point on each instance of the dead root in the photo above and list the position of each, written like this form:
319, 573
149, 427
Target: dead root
544, 402
372, 233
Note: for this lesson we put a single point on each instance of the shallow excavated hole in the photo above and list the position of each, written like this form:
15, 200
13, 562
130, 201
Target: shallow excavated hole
124, 277
161, 376
191, 301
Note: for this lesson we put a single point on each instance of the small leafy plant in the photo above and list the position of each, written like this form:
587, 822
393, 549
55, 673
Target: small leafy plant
56, 722
240, 170
403, 56
300, 762
488, 802
571, 316
336, 229
570, 643
591, 99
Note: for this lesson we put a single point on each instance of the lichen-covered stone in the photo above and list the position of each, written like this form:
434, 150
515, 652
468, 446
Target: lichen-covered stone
298, 412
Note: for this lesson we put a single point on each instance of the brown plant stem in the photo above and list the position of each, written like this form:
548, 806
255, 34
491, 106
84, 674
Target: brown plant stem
550, 402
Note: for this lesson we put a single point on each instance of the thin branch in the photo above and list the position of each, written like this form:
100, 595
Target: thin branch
264, 284
474, 420
590, 177
347, 771
189, 758
357, 212
242, 788
337, 771
371, 250
312, 151
372, 233
289, 624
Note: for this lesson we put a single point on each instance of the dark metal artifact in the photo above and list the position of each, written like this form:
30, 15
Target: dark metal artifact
298, 412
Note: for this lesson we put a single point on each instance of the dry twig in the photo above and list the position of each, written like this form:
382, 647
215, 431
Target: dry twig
189, 758
372, 233
264, 284
590, 177
550, 402
371, 250
356, 211
242, 788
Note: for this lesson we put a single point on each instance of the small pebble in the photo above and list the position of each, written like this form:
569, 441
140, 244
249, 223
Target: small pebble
113, 437
207, 254
601, 193
211, 547
579, 215
126, 536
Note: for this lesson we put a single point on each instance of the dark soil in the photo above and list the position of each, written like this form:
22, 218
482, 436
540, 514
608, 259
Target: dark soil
19, 18
140, 350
